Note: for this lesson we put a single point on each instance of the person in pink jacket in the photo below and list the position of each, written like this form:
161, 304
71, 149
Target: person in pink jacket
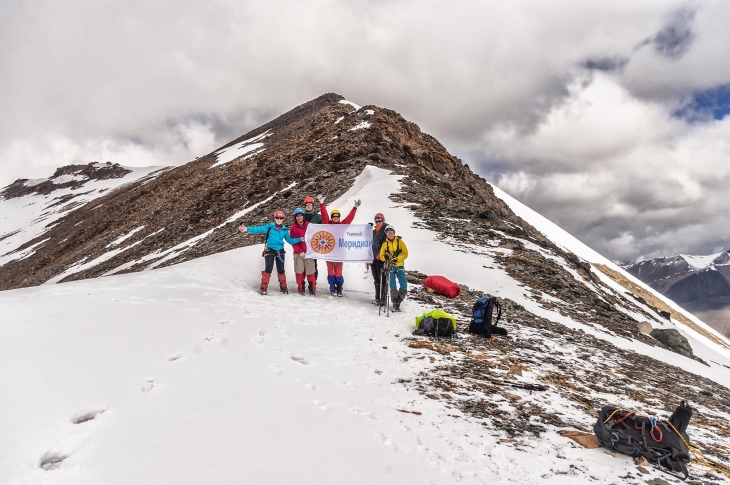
303, 266
334, 268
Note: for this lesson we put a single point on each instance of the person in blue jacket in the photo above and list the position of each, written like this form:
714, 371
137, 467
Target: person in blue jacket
276, 233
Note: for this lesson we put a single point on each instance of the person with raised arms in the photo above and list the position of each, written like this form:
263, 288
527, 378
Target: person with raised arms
334, 268
276, 233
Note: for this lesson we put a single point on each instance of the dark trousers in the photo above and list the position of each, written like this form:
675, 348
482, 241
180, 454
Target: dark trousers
376, 268
271, 256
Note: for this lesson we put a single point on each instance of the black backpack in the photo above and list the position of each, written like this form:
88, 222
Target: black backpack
481, 317
435, 327
661, 442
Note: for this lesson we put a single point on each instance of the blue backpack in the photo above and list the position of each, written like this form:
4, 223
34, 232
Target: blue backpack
482, 314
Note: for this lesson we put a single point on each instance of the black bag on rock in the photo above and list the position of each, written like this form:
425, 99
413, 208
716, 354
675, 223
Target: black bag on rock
661, 442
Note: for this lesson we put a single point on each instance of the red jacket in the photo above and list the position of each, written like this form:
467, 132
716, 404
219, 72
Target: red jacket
300, 231
326, 216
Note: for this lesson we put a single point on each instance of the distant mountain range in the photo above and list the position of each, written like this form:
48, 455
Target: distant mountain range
700, 284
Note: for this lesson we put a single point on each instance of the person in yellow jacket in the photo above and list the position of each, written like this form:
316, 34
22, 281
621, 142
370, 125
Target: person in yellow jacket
393, 252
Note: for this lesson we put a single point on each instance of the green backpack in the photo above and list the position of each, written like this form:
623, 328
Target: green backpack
436, 323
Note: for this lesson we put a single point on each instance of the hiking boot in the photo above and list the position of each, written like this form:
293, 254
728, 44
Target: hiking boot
285, 290
333, 293
302, 293
339, 293
263, 292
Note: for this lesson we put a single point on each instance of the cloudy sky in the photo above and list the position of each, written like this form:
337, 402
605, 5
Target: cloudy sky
610, 119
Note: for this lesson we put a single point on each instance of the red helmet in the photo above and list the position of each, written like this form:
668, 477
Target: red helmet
379, 216
308, 200
279, 214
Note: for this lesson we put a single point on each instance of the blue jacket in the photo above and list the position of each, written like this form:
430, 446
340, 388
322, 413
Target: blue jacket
276, 236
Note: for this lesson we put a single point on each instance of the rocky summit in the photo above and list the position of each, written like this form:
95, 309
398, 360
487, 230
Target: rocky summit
105, 219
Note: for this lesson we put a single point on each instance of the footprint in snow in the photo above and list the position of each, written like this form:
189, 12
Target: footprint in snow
301, 360
365, 414
52, 460
307, 385
175, 356
259, 339
87, 416
216, 337
149, 384
275, 369
324, 406
387, 441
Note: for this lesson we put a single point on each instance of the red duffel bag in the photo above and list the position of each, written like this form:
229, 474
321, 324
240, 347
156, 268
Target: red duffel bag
441, 285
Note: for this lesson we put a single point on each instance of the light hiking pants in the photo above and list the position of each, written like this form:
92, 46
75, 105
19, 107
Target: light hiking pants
400, 273
303, 265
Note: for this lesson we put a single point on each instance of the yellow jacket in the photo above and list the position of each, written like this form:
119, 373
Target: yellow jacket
395, 249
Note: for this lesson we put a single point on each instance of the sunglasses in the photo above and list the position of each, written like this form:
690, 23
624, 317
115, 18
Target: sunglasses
335, 215
308, 203
279, 218
378, 220
299, 215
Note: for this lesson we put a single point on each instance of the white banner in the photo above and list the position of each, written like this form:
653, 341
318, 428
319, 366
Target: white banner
352, 243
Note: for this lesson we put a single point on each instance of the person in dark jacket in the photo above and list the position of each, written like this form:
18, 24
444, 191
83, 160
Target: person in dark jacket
334, 268
312, 216
276, 233
303, 266
376, 267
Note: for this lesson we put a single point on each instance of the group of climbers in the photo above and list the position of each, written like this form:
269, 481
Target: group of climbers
389, 252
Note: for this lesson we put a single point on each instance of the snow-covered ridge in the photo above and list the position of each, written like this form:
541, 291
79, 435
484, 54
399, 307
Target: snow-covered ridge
251, 146
702, 262
357, 107
29, 216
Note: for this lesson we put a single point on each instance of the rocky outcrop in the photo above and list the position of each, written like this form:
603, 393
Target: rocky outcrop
674, 340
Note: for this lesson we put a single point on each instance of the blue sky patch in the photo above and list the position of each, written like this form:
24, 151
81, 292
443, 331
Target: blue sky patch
708, 104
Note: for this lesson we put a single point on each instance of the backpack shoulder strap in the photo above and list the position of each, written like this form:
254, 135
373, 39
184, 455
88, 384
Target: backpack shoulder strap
266, 240
499, 310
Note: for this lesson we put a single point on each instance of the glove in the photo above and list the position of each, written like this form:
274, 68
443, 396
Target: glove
320, 198
242, 228
357, 203
393, 262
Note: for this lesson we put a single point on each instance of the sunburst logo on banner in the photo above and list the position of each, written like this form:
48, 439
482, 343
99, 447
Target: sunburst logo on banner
322, 242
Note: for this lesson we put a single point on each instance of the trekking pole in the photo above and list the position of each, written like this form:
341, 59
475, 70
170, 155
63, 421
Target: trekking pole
379, 296
387, 293
383, 296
